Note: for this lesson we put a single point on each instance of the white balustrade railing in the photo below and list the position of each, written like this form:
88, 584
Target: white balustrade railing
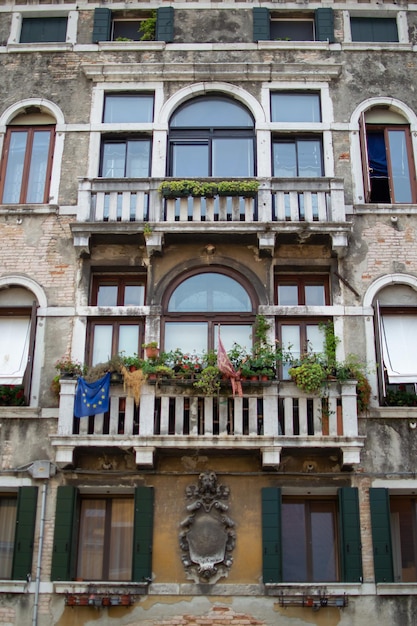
278, 200
273, 410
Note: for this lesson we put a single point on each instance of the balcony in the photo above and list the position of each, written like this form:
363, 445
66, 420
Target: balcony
270, 417
303, 206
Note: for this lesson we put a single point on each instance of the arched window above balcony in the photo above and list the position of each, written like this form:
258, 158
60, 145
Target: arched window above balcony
211, 136
204, 304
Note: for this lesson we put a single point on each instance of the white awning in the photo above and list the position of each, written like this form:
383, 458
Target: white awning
399, 347
14, 348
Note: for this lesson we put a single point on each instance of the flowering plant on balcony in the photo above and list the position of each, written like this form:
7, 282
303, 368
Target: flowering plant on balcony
185, 365
67, 366
12, 395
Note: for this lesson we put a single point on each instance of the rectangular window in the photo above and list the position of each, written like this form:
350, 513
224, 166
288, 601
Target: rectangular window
125, 158
404, 534
295, 106
110, 537
27, 164
105, 539
309, 541
7, 534
292, 29
302, 290
299, 337
43, 29
376, 29
297, 157
198, 337
128, 108
126, 29
114, 290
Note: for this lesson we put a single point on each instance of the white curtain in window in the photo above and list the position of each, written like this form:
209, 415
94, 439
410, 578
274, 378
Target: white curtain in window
14, 348
399, 347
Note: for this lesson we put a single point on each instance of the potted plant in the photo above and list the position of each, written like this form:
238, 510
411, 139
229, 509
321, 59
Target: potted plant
208, 381
244, 188
69, 368
309, 375
151, 349
132, 362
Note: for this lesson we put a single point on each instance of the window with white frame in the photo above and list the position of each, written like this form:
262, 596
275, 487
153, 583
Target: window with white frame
396, 330
387, 157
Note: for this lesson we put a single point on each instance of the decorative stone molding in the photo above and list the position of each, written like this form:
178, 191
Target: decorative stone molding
207, 537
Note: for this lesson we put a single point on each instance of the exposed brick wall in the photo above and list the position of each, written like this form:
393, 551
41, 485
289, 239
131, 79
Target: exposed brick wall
218, 616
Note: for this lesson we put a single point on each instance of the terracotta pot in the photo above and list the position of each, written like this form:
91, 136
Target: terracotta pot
151, 353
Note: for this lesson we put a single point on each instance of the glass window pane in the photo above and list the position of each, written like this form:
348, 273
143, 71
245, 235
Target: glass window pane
7, 533
190, 160
233, 157
294, 546
128, 108
91, 539
137, 165
126, 28
400, 166
287, 295
190, 337
285, 160
309, 158
323, 544
128, 339
107, 295
134, 295
38, 167
295, 107
211, 112
234, 333
315, 338
14, 169
291, 342
114, 160
315, 295
292, 30
210, 292
121, 540
102, 345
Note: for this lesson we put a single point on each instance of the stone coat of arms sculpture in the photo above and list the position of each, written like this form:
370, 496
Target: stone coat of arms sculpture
207, 538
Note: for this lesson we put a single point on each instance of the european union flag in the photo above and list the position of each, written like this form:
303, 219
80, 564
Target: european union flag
92, 398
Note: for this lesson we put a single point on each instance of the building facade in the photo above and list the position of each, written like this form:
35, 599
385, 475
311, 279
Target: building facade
178, 173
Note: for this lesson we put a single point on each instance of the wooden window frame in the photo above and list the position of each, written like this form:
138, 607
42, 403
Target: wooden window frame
107, 530
302, 281
124, 140
309, 504
28, 154
115, 322
121, 281
366, 129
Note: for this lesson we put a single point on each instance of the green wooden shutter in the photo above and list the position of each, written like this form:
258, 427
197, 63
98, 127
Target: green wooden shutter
43, 29
261, 24
271, 535
65, 532
142, 534
165, 24
381, 535
27, 500
102, 25
324, 23
350, 535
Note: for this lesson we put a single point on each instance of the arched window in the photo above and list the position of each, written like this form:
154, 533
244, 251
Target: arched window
27, 158
396, 314
211, 136
202, 306
17, 332
387, 158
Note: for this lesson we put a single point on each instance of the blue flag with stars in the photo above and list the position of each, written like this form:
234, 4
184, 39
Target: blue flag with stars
92, 398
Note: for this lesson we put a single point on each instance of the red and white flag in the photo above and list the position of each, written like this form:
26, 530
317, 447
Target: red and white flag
225, 366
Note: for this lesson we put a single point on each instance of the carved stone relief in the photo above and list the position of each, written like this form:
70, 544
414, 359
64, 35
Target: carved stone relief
207, 537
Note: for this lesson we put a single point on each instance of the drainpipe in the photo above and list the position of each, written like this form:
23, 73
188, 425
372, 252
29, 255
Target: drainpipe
38, 566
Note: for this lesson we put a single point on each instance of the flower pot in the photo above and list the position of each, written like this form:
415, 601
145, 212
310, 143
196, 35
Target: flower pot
151, 353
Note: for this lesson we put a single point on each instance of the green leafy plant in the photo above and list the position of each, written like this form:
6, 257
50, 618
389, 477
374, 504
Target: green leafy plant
67, 365
123, 39
309, 376
147, 230
148, 28
196, 188
208, 381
